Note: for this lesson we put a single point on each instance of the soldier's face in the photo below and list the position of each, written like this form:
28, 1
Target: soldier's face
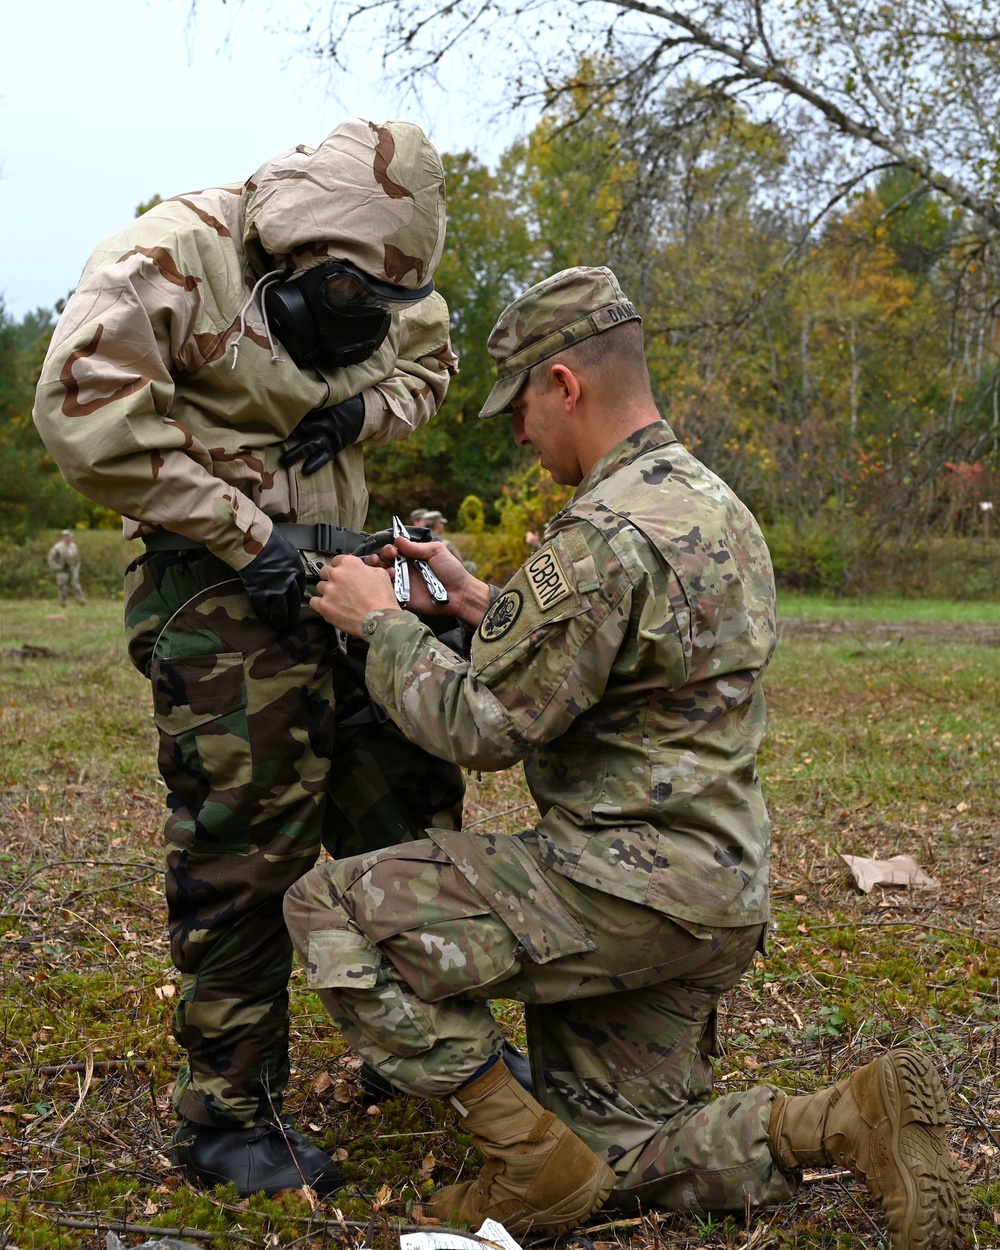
542, 420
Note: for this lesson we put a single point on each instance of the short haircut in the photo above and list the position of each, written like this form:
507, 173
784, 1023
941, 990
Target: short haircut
619, 348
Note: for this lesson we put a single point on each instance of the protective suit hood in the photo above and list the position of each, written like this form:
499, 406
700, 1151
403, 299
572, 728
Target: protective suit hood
370, 194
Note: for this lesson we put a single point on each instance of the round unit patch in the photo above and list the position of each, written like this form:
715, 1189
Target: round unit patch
501, 616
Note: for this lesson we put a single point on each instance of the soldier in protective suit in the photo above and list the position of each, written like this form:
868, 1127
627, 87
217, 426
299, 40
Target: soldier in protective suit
623, 663
214, 378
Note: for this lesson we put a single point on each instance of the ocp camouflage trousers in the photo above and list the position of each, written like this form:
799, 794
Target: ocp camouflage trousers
68, 582
405, 945
250, 753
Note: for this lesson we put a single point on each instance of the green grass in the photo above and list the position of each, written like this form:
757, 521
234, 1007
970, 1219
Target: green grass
891, 610
879, 743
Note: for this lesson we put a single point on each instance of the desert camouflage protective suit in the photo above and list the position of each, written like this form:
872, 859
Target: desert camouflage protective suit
623, 664
165, 397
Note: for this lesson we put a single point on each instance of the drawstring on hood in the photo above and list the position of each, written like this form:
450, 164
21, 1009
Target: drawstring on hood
260, 286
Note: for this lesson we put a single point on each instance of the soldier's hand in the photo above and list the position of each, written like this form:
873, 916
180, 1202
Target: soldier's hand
348, 589
325, 433
468, 597
275, 582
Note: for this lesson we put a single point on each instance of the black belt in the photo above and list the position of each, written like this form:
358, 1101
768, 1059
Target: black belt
331, 540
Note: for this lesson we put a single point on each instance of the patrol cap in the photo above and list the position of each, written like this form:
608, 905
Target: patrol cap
430, 517
64, 533
549, 317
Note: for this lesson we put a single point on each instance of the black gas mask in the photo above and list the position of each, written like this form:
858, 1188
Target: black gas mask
334, 314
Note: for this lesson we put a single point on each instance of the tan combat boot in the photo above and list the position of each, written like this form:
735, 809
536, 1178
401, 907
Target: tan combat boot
538, 1174
886, 1123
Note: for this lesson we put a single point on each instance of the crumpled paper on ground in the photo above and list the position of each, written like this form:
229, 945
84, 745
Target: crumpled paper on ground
900, 870
444, 1239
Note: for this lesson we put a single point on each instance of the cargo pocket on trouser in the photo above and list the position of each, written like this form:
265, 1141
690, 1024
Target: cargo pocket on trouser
501, 873
410, 915
425, 918
199, 705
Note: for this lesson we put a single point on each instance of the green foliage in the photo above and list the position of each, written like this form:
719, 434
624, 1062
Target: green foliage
33, 495
919, 229
488, 258
104, 556
146, 205
836, 555
817, 554
528, 501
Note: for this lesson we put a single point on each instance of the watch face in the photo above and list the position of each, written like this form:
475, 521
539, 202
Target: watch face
501, 616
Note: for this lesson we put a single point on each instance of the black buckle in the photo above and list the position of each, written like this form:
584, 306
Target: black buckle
324, 537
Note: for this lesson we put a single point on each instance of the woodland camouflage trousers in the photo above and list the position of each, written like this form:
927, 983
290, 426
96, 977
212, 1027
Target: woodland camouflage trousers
405, 945
260, 773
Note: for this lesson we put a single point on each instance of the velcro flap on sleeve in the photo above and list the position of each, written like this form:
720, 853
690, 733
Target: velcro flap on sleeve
341, 959
584, 564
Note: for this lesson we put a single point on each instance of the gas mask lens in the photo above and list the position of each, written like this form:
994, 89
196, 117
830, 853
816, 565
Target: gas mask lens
342, 292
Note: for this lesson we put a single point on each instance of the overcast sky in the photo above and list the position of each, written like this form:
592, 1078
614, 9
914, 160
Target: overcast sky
104, 105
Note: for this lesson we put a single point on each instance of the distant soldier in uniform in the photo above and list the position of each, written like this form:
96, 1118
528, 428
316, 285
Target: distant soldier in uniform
435, 522
214, 378
623, 664
64, 560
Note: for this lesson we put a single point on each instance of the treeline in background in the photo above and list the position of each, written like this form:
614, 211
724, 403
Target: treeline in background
836, 363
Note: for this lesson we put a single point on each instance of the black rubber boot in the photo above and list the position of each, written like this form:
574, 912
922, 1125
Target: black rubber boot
378, 1089
265, 1159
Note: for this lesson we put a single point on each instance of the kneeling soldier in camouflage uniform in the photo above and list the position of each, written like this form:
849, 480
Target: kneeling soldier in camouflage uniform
213, 378
623, 664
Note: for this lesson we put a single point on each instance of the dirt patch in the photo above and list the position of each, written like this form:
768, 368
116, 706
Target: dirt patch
893, 631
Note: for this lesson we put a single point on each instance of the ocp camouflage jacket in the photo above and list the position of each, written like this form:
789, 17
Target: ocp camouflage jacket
63, 557
623, 664
162, 395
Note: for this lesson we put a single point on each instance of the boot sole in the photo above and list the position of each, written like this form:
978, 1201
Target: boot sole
572, 1210
938, 1203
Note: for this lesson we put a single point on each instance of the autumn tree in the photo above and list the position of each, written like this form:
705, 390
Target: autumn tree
490, 255
913, 84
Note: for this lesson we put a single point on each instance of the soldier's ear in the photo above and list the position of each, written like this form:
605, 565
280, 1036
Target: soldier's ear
568, 385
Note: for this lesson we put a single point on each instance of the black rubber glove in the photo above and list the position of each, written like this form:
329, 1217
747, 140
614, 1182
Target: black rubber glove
325, 433
275, 582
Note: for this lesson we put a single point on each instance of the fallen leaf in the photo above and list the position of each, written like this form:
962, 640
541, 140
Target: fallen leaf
322, 1083
417, 1216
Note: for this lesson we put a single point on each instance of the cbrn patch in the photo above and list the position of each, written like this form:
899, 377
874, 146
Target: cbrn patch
549, 584
501, 616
